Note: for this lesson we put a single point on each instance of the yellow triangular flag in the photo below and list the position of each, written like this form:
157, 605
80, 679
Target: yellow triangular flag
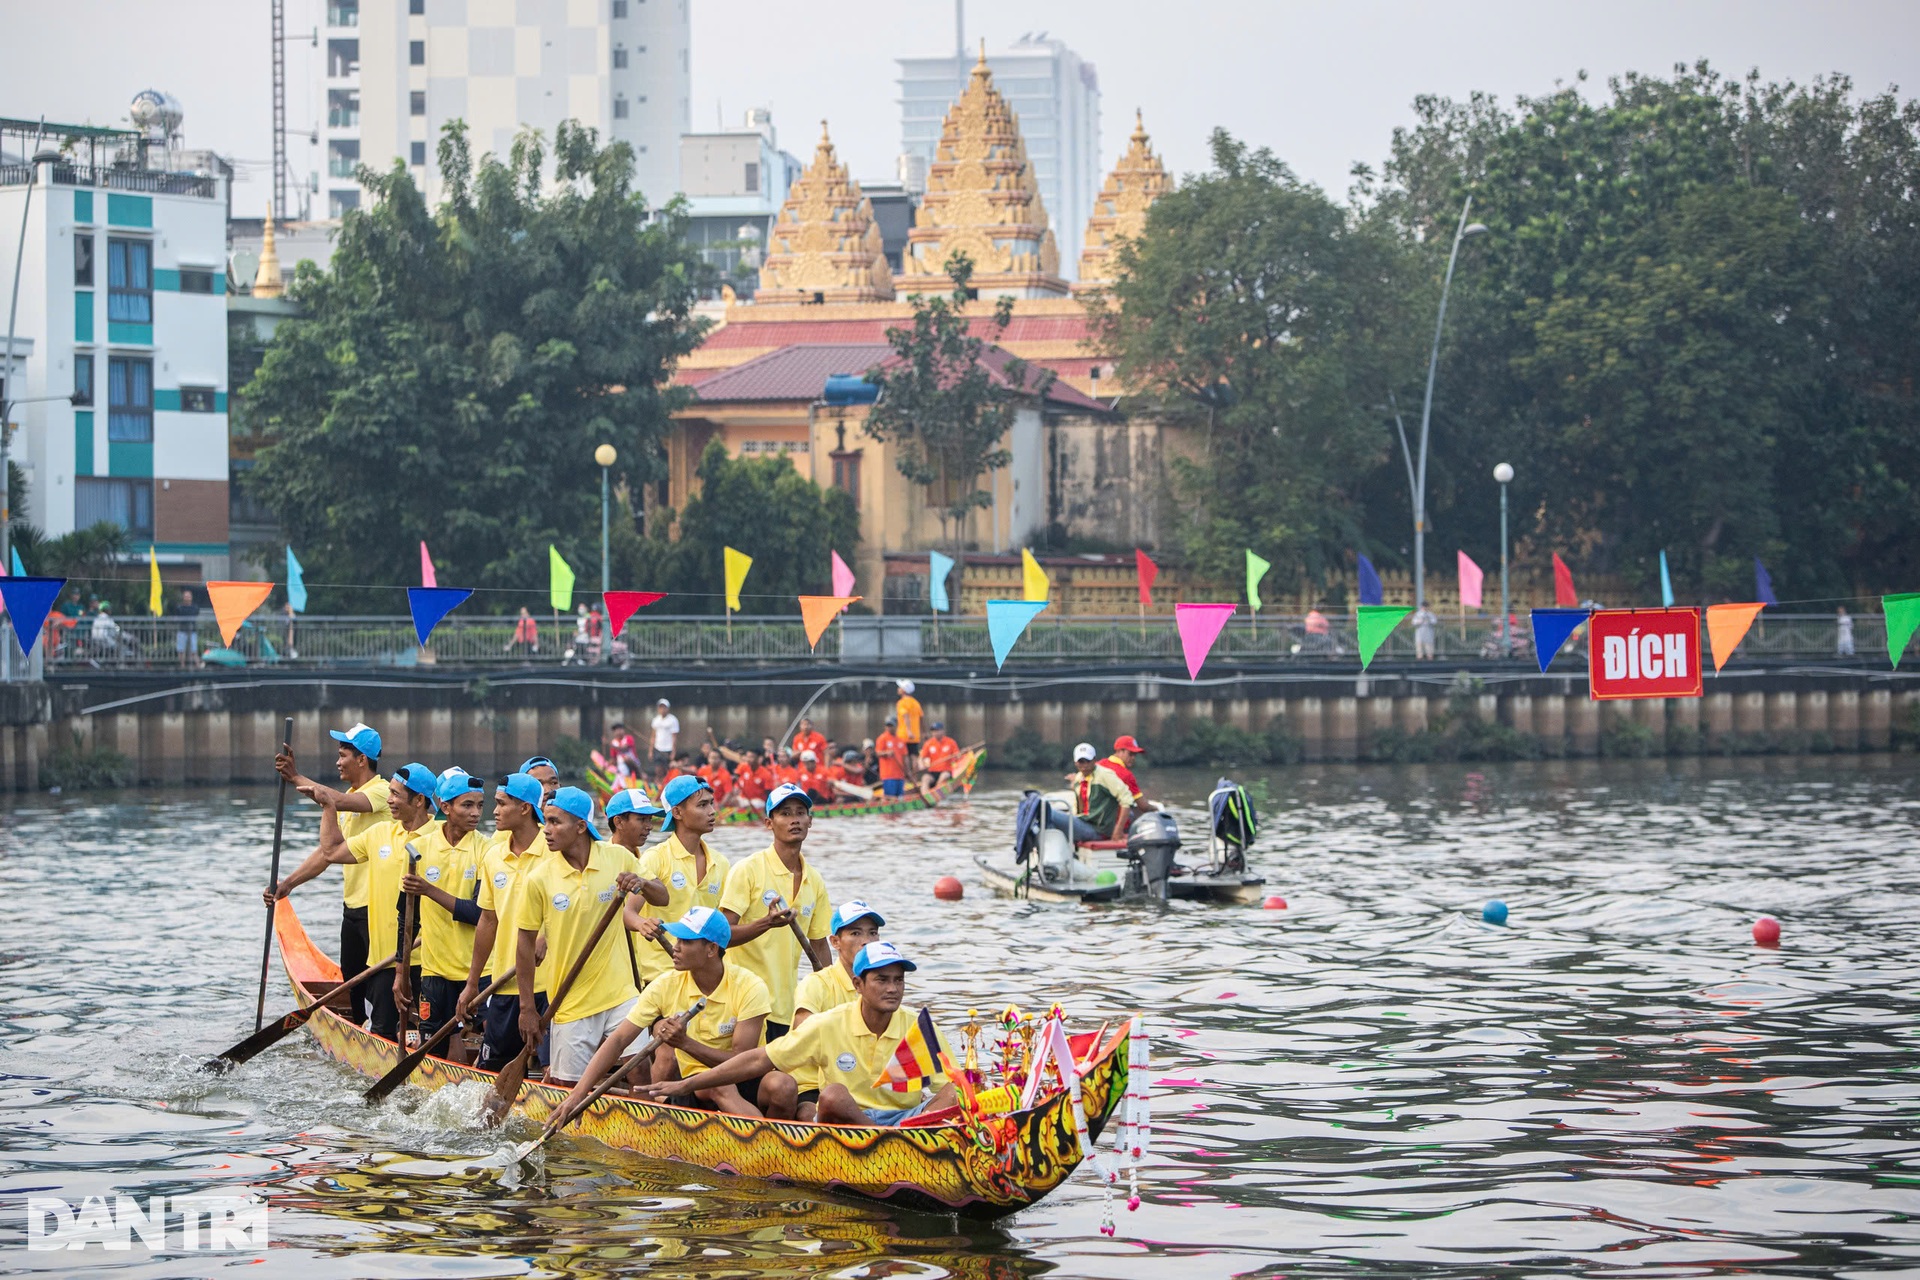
1727, 626
232, 602
818, 612
1033, 578
156, 603
738, 562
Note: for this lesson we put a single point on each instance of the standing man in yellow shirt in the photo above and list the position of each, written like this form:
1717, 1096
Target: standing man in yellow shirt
565, 896
448, 882
906, 709
630, 818
771, 890
361, 806
517, 847
693, 873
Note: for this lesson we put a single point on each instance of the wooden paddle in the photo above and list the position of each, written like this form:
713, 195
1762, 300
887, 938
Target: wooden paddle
406, 949
273, 881
806, 948
387, 1083
506, 1085
274, 1031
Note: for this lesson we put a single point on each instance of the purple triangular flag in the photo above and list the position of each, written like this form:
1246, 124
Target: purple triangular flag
1551, 627
1370, 590
430, 604
1762, 583
29, 600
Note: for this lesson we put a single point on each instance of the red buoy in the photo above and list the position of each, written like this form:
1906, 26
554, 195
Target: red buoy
1275, 903
1766, 931
948, 888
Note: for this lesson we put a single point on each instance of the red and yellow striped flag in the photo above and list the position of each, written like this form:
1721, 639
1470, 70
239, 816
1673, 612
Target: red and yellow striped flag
915, 1059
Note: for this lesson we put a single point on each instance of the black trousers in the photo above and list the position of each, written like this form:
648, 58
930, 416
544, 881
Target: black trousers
434, 999
500, 1040
353, 958
380, 1007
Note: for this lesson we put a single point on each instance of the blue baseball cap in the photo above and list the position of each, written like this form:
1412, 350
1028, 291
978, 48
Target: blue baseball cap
456, 782
847, 912
578, 803
679, 789
787, 791
703, 922
361, 737
523, 787
878, 955
632, 800
534, 762
418, 779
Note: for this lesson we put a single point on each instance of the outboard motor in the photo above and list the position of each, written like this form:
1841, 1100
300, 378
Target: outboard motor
1152, 841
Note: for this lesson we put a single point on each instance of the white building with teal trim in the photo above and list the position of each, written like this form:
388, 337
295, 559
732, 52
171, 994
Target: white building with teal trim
122, 305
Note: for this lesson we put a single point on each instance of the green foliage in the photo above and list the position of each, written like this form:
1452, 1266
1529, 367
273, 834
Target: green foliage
941, 406
454, 370
764, 507
78, 767
91, 557
571, 758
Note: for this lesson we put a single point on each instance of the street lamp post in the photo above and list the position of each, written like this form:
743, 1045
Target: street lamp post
1503, 475
1426, 413
606, 457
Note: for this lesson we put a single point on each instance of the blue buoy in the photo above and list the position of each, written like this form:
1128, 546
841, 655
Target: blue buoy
1495, 912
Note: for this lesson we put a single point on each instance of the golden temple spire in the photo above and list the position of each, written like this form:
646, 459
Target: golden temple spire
1120, 210
266, 277
982, 200
825, 246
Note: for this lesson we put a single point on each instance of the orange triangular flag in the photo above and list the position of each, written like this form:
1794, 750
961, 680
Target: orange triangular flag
817, 611
1726, 626
232, 602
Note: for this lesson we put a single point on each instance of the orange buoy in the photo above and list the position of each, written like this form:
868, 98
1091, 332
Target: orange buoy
948, 889
1766, 931
1275, 903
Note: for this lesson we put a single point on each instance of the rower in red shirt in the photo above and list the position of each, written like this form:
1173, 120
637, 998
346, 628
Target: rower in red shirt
848, 778
787, 771
813, 780
753, 781
892, 751
807, 738
1127, 750
938, 755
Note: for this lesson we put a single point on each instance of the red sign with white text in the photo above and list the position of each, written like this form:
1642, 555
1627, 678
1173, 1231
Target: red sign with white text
1644, 653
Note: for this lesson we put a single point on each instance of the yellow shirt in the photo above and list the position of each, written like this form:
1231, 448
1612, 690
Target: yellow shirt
739, 997
828, 989
752, 888
381, 851
568, 904
503, 875
835, 1047
671, 863
353, 877
446, 945
907, 713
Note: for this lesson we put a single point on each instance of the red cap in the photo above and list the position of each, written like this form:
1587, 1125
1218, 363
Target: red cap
1127, 742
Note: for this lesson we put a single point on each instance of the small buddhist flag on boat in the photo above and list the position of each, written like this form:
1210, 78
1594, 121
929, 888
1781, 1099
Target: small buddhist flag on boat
916, 1059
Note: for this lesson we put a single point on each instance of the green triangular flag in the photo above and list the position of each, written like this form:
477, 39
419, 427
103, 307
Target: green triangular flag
1256, 570
560, 588
1903, 615
1374, 623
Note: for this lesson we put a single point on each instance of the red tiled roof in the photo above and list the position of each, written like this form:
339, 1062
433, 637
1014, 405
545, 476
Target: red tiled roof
800, 372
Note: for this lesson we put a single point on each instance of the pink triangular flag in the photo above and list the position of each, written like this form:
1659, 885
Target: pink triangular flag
1472, 576
1200, 626
842, 577
426, 567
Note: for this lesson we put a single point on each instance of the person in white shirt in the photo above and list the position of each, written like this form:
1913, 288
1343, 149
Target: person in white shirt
666, 728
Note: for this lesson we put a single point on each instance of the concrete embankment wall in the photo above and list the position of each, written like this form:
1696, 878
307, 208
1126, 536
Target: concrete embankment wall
224, 730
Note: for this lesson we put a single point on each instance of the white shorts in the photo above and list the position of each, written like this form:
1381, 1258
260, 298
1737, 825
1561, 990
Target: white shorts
571, 1045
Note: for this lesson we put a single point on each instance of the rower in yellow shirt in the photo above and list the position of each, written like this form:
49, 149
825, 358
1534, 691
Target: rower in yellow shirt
854, 924
771, 890
447, 880
693, 873
518, 845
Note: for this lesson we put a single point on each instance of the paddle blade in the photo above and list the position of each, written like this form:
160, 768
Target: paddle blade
506, 1089
258, 1042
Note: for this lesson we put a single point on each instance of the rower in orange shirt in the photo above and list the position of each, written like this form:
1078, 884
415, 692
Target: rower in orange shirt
892, 751
938, 754
752, 779
807, 738
813, 780
848, 778
787, 770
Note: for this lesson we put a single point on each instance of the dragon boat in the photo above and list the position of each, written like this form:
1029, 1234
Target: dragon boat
935, 1163
960, 782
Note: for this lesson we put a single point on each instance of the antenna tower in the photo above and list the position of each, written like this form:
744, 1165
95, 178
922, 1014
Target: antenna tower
280, 208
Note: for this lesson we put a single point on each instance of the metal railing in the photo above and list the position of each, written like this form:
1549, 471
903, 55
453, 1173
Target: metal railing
135, 643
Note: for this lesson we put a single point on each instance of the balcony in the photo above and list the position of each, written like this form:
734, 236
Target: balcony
148, 181
345, 14
338, 118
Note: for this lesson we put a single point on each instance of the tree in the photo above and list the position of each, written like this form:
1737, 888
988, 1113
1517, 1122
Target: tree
454, 370
764, 507
942, 406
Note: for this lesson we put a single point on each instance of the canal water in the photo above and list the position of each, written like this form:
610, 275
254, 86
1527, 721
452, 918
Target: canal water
1370, 1082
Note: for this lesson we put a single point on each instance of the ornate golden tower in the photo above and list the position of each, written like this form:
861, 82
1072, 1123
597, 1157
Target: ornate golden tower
981, 200
825, 246
266, 277
1120, 212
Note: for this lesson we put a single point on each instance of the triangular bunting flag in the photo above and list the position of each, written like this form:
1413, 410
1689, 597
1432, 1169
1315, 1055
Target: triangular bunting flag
842, 576
1551, 627
426, 567
622, 605
1006, 621
232, 602
19, 570
938, 567
296, 584
1472, 579
1563, 592
1147, 571
737, 564
1763, 583
29, 600
430, 604
818, 612
1200, 626
1903, 615
1373, 623
1726, 625
156, 602
1256, 570
1666, 582
1034, 583
1371, 591
559, 580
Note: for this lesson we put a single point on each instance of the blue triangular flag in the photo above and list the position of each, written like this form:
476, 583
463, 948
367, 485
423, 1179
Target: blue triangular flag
938, 567
1551, 627
1006, 621
1666, 582
296, 584
430, 604
19, 570
28, 602
1370, 592
1762, 583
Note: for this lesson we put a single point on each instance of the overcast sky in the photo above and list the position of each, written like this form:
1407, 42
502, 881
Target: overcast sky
1322, 84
